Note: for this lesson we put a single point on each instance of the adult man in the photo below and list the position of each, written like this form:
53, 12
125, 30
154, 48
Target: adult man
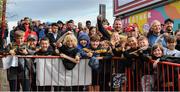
88, 24
107, 33
53, 36
70, 27
118, 26
168, 26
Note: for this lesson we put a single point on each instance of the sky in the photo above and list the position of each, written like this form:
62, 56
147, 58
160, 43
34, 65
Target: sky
54, 10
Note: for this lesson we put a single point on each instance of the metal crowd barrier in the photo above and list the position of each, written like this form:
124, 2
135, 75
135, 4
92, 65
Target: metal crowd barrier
113, 75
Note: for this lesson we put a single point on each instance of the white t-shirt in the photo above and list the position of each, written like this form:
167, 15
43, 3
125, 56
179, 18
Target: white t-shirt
174, 52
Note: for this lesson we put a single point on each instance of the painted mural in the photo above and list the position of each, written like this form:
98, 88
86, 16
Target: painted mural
144, 19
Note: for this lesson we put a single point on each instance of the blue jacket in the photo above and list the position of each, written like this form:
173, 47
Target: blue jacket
83, 36
41, 34
152, 40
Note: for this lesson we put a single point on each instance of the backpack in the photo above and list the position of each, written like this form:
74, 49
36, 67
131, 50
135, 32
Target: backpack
94, 63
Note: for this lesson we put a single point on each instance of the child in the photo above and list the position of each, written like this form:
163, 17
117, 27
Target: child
147, 69
45, 49
95, 53
133, 47
115, 38
158, 56
171, 44
69, 51
19, 75
132, 61
106, 65
120, 46
83, 42
94, 45
157, 52
106, 45
118, 74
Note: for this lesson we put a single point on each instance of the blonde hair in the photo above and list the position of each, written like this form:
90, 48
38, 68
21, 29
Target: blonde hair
70, 37
123, 37
113, 35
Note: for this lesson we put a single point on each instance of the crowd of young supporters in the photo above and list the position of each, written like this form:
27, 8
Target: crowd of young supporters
98, 43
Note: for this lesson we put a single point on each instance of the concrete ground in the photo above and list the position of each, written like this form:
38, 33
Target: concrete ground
4, 86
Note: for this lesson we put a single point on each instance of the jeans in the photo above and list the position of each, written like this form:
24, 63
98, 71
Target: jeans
15, 85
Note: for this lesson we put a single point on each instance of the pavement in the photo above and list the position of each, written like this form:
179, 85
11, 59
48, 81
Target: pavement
4, 85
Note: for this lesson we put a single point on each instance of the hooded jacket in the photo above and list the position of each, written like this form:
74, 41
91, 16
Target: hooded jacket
83, 36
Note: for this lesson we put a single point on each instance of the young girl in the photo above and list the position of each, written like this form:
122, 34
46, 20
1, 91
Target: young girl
120, 46
69, 52
157, 53
115, 38
158, 56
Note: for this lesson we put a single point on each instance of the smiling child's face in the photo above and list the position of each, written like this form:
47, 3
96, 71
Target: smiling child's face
158, 52
83, 42
94, 44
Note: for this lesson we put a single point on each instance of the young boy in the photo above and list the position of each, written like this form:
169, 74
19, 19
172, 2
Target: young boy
45, 49
20, 74
171, 44
95, 53
147, 81
83, 42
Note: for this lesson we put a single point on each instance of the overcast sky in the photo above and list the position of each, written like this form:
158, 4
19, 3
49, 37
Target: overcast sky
53, 10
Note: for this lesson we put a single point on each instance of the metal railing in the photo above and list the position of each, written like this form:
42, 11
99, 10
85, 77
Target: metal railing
48, 73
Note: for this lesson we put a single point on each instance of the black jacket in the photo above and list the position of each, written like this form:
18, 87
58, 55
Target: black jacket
71, 52
51, 38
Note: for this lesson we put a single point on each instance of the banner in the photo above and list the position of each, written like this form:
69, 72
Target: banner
52, 72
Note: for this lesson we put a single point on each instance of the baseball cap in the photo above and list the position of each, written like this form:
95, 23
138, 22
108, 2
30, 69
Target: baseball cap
32, 37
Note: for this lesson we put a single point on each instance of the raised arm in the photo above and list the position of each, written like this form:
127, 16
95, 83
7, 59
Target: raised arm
101, 29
